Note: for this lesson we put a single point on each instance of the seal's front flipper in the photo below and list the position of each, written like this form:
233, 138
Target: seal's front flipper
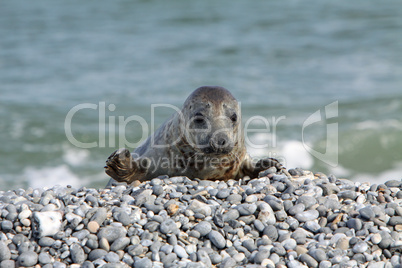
252, 169
267, 163
121, 166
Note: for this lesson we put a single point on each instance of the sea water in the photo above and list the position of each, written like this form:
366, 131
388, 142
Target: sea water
321, 82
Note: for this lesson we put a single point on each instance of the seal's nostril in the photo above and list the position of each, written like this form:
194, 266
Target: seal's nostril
221, 142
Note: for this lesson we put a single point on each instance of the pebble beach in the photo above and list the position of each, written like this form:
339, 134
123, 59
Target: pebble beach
309, 220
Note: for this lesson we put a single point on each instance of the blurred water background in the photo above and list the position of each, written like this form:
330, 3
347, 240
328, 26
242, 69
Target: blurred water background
278, 58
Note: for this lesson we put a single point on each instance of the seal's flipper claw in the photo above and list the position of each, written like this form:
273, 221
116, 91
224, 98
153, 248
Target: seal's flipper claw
120, 166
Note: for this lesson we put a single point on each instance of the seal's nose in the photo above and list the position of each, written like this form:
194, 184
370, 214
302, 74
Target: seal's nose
219, 141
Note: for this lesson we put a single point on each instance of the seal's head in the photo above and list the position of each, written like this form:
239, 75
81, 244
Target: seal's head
212, 120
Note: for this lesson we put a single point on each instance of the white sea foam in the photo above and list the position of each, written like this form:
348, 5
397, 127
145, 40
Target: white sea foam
379, 125
50, 176
292, 152
75, 156
296, 155
393, 174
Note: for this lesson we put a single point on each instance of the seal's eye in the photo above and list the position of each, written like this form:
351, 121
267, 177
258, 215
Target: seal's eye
233, 118
199, 118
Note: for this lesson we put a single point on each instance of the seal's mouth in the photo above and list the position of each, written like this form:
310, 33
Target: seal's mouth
216, 151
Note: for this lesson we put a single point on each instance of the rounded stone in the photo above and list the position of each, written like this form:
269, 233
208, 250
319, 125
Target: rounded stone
112, 257
217, 239
376, 238
180, 251
203, 228
8, 264
200, 207
289, 244
111, 233
168, 226
271, 232
93, 227
123, 217
77, 254
308, 215
143, 263
296, 209
44, 258
261, 255
234, 199
249, 245
96, 254
5, 253
367, 213
355, 224
135, 250
395, 220
318, 254
307, 200
232, 214
360, 247
6, 225
100, 215
223, 194
120, 244
46, 241
28, 258
307, 259
246, 209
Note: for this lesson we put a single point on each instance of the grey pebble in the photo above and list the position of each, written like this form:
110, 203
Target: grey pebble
180, 252
249, 245
223, 194
367, 213
217, 239
261, 255
203, 257
135, 250
234, 199
8, 264
100, 215
45, 241
308, 215
120, 243
96, 254
143, 263
307, 200
246, 209
123, 217
111, 233
296, 209
6, 225
168, 226
232, 214
28, 258
203, 228
77, 254
308, 260
395, 220
348, 194
44, 258
289, 244
112, 257
271, 232
5, 253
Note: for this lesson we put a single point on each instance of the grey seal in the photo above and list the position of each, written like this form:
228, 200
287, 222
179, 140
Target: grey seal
204, 140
